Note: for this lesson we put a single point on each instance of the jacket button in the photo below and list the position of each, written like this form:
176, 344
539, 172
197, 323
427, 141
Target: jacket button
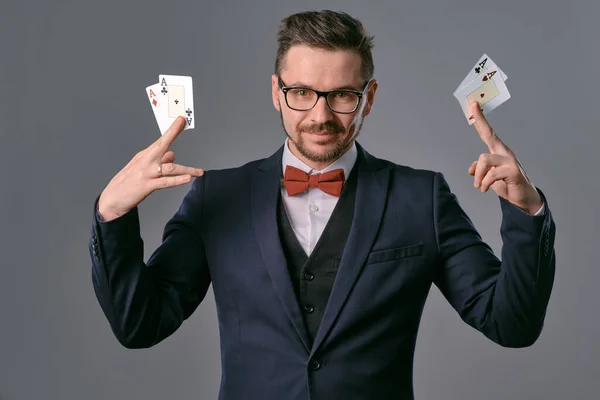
314, 365
309, 309
309, 276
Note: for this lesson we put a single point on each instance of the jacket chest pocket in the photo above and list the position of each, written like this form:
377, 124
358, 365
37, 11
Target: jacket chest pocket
396, 253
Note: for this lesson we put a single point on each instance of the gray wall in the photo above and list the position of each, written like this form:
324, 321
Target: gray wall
73, 113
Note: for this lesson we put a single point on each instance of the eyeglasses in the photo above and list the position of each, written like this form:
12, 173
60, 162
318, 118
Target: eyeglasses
341, 101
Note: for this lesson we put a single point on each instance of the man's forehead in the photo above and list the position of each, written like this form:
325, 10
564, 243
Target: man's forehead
322, 68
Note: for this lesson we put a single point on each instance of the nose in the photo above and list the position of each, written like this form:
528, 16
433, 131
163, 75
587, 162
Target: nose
320, 112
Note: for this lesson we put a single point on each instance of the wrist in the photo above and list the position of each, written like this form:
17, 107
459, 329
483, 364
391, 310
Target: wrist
104, 214
532, 206
534, 209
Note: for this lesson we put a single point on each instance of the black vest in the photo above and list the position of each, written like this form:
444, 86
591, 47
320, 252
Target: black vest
313, 276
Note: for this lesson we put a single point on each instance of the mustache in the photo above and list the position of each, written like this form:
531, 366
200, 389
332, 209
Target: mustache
325, 126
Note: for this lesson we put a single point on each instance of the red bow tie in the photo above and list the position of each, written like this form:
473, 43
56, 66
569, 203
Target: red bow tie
297, 181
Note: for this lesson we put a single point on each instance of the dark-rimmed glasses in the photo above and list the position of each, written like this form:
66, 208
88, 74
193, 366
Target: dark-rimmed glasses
342, 101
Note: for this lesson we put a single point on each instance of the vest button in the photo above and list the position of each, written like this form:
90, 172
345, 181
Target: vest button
309, 276
314, 365
309, 309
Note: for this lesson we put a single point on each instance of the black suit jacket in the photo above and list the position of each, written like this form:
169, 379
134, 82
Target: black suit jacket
408, 232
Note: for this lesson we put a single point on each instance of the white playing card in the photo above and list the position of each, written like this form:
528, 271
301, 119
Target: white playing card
152, 92
482, 65
177, 99
489, 90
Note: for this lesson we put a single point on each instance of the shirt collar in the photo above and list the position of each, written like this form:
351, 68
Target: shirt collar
346, 161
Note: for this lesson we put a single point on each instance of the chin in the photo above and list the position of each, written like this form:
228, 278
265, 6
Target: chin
326, 142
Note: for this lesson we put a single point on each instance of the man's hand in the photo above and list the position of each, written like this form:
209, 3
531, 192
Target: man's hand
500, 170
151, 169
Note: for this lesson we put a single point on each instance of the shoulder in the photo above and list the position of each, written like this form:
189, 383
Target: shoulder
404, 172
240, 170
420, 183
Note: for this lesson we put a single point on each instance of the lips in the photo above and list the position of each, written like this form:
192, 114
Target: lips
322, 133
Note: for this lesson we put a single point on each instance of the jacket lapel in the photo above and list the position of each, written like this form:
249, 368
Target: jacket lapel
371, 195
265, 189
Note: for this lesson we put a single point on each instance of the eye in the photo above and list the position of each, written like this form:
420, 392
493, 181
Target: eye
300, 92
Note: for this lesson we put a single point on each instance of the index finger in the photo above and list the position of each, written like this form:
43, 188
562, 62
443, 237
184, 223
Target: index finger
167, 139
486, 132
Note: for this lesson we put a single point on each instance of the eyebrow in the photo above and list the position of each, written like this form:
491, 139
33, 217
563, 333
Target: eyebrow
304, 85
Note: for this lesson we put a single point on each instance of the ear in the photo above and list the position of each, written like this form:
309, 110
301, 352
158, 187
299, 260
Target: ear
275, 92
370, 98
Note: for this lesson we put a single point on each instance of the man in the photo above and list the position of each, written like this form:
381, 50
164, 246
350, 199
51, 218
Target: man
321, 256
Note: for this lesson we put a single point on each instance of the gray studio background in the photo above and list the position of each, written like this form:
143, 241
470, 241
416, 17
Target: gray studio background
73, 113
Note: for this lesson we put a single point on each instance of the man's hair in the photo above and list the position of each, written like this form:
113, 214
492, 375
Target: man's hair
328, 30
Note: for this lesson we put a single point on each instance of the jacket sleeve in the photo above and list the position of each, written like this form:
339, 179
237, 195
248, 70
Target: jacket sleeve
505, 300
146, 303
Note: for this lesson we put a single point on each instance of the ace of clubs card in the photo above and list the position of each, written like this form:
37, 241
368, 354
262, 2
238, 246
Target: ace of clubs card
482, 65
176, 98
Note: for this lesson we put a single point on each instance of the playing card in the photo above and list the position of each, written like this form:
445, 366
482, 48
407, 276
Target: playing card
177, 97
489, 90
482, 65
152, 92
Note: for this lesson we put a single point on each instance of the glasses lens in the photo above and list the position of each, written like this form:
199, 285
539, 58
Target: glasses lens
301, 99
342, 101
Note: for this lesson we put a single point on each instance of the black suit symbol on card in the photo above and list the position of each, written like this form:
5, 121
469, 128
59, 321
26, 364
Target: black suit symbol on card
164, 86
481, 65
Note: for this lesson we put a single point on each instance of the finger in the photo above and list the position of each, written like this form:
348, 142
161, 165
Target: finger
472, 168
486, 132
171, 169
485, 162
169, 157
493, 175
170, 181
167, 139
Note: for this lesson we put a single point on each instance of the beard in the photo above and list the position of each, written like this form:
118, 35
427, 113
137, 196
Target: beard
342, 142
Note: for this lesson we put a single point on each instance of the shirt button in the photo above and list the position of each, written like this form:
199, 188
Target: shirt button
314, 365
309, 276
314, 208
309, 309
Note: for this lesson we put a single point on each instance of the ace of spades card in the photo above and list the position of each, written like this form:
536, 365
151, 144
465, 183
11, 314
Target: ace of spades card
488, 89
177, 98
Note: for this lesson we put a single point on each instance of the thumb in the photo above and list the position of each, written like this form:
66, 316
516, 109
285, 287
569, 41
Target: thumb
472, 168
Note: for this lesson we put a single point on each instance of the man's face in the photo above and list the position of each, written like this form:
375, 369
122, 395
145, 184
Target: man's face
319, 136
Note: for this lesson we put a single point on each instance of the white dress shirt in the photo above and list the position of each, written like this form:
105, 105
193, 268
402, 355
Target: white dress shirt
309, 212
